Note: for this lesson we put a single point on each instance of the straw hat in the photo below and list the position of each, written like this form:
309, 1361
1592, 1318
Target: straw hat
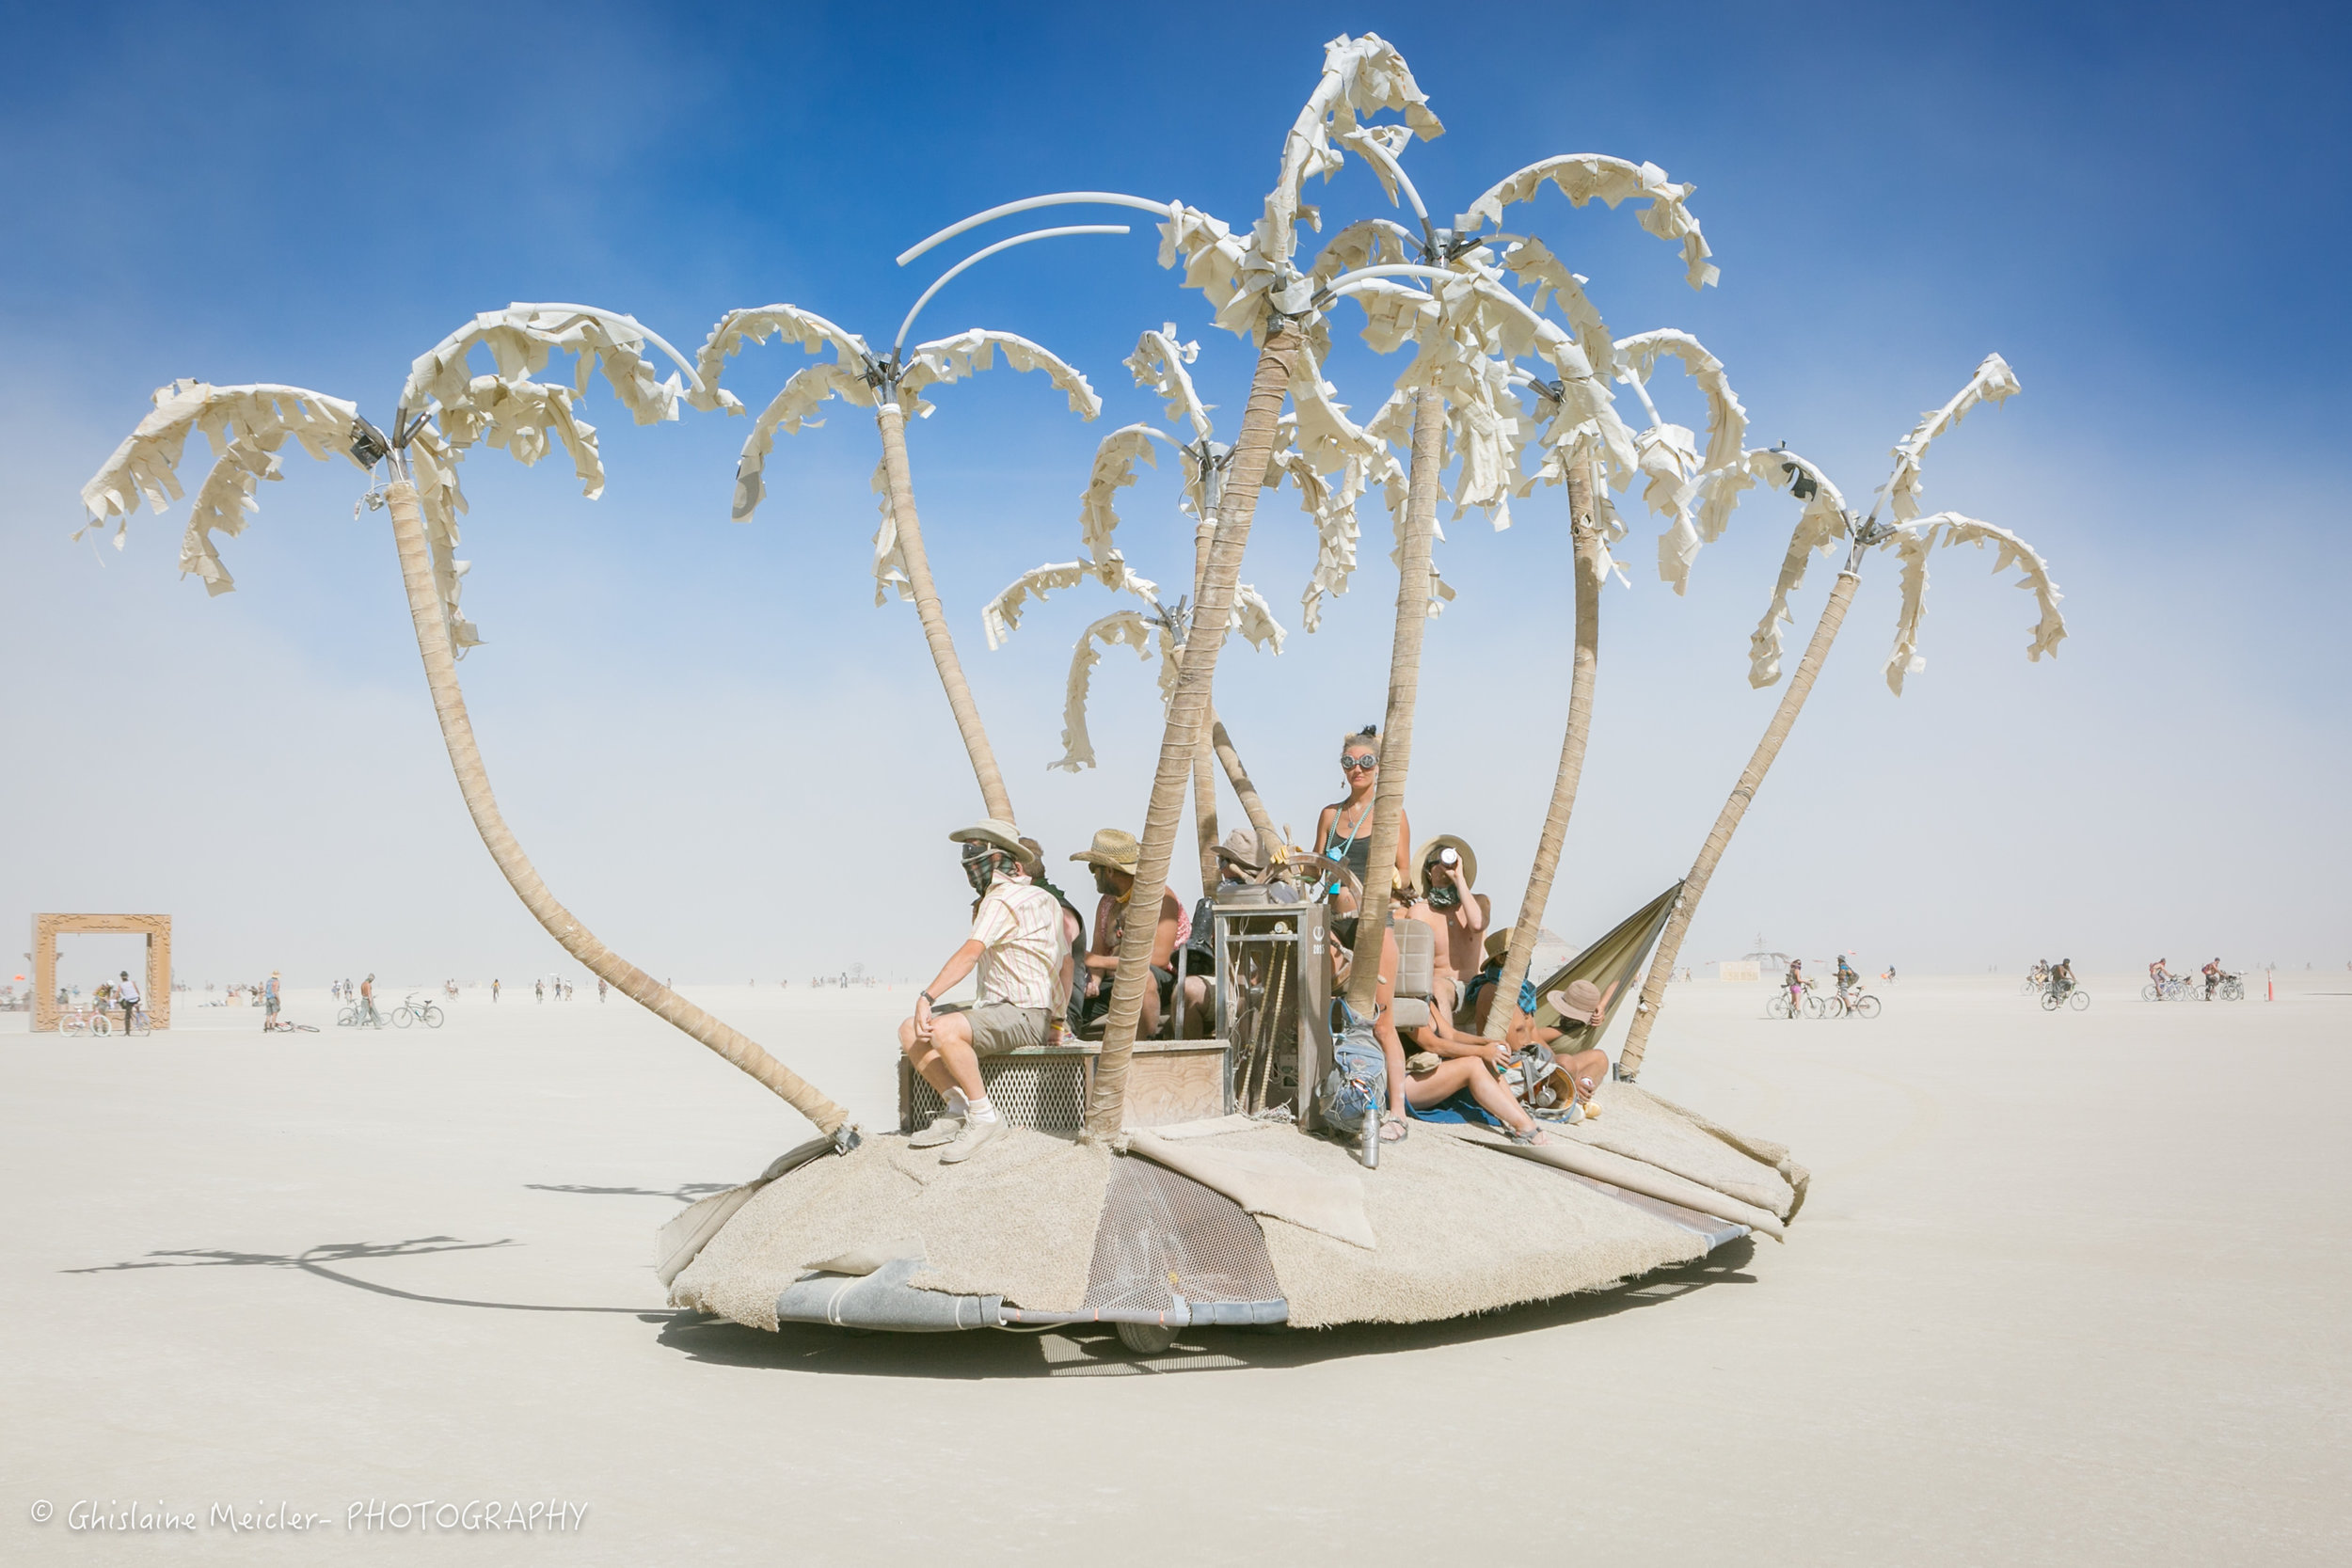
1443, 841
1003, 835
1577, 999
1497, 944
1114, 848
1241, 849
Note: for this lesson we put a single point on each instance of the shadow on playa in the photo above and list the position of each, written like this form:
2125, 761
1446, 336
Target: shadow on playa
1065, 1351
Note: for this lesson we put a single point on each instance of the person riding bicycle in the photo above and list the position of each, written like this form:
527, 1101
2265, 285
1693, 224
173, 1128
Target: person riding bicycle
2063, 978
2213, 977
2160, 976
1846, 977
1794, 981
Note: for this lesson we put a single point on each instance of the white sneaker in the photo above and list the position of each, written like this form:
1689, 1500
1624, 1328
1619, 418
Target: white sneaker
975, 1134
944, 1129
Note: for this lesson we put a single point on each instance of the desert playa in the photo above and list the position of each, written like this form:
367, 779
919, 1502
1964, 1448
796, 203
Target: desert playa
2056, 1302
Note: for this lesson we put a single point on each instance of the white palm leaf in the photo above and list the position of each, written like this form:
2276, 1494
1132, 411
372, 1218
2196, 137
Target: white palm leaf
1331, 508
1819, 528
245, 427
1912, 545
1225, 269
1001, 616
1128, 627
1583, 176
1369, 243
790, 410
522, 337
434, 464
1254, 619
1531, 261
967, 353
890, 558
1726, 421
1158, 363
756, 324
1115, 459
1360, 77
1993, 382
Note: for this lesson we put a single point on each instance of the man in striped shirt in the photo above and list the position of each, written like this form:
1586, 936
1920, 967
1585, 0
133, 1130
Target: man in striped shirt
1019, 945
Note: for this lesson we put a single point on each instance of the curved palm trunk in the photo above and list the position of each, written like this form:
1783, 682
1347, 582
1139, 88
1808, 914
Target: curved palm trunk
1204, 754
1187, 717
902, 497
1661, 966
1396, 736
1238, 776
449, 706
1591, 567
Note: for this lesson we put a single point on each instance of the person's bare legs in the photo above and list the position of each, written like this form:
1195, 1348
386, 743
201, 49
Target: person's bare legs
1584, 1066
1456, 1073
1147, 1026
947, 1060
1199, 1009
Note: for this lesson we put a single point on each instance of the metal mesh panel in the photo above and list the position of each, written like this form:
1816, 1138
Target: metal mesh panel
1163, 1235
1046, 1093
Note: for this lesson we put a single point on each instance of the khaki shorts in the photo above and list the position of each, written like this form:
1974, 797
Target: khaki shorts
1000, 1025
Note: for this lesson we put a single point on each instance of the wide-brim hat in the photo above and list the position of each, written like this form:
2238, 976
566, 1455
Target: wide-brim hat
1497, 944
1443, 841
1577, 999
1003, 835
1243, 848
1114, 848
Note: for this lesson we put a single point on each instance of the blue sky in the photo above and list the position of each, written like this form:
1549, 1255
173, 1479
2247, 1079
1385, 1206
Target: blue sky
728, 761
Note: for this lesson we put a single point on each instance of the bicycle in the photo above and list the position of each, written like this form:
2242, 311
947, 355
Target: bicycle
1855, 1003
357, 1017
286, 1026
2074, 996
2233, 988
413, 1011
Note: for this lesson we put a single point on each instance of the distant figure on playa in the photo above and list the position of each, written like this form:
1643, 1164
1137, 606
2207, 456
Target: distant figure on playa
1847, 978
127, 998
494, 988
1018, 945
540, 988
2063, 978
269, 1018
2213, 976
367, 999
1794, 981
599, 987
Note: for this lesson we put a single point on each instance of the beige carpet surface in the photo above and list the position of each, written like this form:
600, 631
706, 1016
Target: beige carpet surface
1633, 1124
1016, 1220
1458, 1232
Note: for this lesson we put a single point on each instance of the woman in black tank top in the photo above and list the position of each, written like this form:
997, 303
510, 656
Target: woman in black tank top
1344, 833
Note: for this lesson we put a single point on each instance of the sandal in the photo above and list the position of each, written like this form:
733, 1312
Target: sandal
1535, 1134
1404, 1128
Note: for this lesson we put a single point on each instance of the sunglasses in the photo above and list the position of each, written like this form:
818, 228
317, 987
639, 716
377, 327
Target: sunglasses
1359, 765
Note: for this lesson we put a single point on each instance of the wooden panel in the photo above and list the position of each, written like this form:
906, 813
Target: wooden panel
155, 989
1173, 1081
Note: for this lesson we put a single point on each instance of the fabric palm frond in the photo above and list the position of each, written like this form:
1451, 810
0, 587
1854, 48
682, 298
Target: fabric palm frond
966, 353
1583, 176
1993, 383
1912, 545
811, 331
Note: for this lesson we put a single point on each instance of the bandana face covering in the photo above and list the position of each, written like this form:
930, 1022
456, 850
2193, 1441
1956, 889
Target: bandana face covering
1445, 895
980, 867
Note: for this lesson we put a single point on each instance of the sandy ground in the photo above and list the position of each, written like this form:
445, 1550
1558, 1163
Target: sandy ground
2067, 1289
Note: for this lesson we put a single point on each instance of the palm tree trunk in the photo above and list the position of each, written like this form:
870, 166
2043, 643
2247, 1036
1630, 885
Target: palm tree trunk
1396, 736
902, 497
1187, 717
1589, 565
1238, 776
1204, 755
449, 706
1661, 966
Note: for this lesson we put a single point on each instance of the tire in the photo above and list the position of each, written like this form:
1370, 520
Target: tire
141, 1024
1866, 1005
432, 1016
400, 1018
2079, 1001
72, 1026
2150, 994
2232, 990
347, 1017
1776, 1007
1147, 1338
2049, 1002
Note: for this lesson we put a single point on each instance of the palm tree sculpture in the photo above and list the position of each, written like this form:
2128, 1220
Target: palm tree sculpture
1823, 523
1459, 388
1259, 293
1159, 363
443, 410
892, 386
